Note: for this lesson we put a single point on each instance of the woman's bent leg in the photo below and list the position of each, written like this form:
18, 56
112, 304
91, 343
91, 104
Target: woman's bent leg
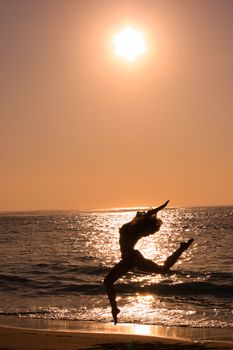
118, 271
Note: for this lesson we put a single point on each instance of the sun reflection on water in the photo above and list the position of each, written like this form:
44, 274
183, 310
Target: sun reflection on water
102, 244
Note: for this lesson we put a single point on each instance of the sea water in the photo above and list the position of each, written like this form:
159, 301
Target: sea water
53, 265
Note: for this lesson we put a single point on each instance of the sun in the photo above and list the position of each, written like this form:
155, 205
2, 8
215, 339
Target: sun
129, 44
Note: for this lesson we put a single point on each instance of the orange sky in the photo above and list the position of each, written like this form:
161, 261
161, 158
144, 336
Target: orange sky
82, 129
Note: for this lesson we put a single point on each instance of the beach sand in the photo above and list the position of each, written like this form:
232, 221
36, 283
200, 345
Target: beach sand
22, 338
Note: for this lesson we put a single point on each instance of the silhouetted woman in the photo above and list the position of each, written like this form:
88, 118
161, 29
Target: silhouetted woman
143, 225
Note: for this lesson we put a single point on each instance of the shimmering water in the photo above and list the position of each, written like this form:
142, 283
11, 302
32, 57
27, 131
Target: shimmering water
53, 265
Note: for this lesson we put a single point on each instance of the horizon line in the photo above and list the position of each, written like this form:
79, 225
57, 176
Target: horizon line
114, 209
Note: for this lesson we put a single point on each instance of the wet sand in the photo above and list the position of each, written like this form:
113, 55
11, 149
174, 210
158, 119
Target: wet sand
70, 335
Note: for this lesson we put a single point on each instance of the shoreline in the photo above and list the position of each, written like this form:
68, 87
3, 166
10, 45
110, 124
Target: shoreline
28, 339
25, 334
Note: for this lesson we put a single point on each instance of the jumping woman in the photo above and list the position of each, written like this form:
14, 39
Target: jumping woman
143, 225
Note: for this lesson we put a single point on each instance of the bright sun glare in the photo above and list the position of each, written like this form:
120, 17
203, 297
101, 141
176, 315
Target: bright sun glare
129, 44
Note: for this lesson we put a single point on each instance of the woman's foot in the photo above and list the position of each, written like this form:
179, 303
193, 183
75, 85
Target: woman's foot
171, 260
115, 312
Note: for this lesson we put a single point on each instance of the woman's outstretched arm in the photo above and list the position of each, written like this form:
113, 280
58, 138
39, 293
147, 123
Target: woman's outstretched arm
154, 211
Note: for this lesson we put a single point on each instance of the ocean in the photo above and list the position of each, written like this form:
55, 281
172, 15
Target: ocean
53, 265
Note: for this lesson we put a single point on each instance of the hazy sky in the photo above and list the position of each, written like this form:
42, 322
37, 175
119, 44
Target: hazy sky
81, 128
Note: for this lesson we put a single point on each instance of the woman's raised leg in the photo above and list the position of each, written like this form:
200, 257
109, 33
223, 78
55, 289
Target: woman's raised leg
149, 266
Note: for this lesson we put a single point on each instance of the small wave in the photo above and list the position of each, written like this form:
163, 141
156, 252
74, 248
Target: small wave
197, 288
90, 286
89, 270
192, 288
14, 279
219, 275
83, 266
24, 313
24, 286
41, 265
84, 289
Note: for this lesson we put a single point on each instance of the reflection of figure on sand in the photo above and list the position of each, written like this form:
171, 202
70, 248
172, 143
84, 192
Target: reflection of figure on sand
144, 224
